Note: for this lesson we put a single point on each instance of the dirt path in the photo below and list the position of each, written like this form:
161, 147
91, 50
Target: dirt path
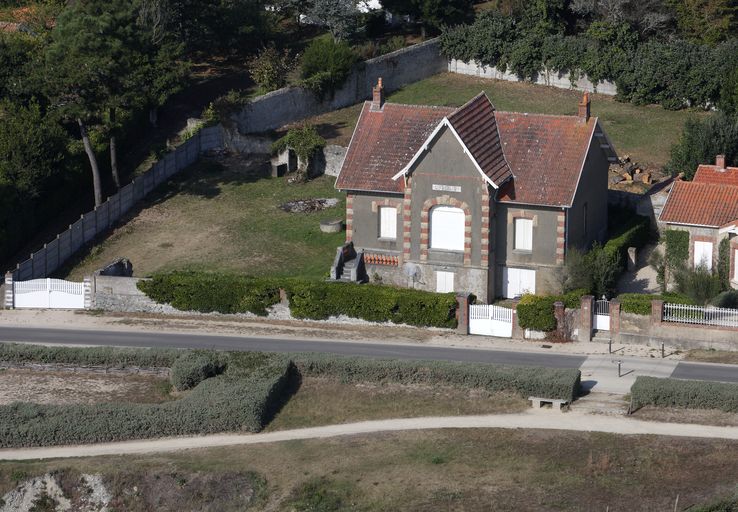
532, 419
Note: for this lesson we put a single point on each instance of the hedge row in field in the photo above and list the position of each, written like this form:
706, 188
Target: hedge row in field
544, 382
689, 394
227, 403
314, 300
109, 357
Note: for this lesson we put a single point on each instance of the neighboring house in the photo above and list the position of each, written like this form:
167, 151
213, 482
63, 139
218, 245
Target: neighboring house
472, 199
706, 207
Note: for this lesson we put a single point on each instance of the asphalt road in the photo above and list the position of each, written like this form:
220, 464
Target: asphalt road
693, 371
204, 341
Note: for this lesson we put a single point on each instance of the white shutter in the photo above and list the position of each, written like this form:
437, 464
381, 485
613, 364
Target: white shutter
517, 281
447, 228
387, 222
703, 254
444, 282
524, 234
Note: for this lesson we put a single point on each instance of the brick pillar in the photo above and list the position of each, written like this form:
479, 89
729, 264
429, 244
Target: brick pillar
560, 315
517, 331
88, 292
8, 299
657, 312
462, 312
614, 316
585, 318
349, 217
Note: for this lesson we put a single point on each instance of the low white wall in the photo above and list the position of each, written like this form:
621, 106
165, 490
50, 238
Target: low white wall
549, 77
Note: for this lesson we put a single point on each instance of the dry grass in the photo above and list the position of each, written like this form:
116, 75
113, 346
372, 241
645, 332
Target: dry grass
321, 401
63, 387
698, 416
464, 470
646, 133
712, 356
223, 215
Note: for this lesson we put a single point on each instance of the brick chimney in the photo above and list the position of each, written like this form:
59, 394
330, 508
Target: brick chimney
720, 162
378, 96
584, 105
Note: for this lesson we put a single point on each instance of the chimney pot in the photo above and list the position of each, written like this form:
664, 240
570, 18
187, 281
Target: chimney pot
584, 107
378, 96
720, 162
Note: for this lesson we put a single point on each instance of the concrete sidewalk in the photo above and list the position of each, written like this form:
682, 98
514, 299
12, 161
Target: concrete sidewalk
532, 419
600, 373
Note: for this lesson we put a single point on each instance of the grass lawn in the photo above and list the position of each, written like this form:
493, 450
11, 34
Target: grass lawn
321, 401
646, 133
464, 470
224, 215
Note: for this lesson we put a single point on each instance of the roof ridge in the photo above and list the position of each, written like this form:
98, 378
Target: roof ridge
415, 106
536, 114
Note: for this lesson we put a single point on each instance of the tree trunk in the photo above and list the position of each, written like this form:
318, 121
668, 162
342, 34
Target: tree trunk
113, 150
93, 163
423, 33
153, 116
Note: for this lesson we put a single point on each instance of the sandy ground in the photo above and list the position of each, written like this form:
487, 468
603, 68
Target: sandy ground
324, 331
534, 419
75, 388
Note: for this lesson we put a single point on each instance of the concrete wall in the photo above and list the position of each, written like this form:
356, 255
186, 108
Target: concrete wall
592, 192
641, 330
365, 232
122, 294
549, 77
55, 253
291, 104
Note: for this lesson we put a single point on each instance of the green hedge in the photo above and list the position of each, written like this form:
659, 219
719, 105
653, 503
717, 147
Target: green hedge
640, 303
191, 368
89, 356
226, 403
544, 382
636, 232
228, 293
690, 394
677, 247
537, 311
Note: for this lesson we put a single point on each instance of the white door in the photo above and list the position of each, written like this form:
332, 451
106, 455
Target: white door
517, 281
703, 254
444, 282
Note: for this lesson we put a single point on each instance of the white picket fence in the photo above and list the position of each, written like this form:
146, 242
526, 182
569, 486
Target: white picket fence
489, 320
48, 294
699, 315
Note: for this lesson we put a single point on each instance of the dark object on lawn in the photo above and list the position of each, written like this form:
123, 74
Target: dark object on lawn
119, 268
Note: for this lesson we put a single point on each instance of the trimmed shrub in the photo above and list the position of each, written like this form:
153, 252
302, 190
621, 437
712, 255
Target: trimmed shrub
640, 303
690, 394
225, 403
326, 65
727, 299
109, 357
537, 311
545, 382
635, 232
191, 368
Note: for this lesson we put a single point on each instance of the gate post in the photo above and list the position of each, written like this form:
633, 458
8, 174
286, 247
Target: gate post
614, 316
462, 313
560, 315
585, 318
517, 331
87, 285
9, 295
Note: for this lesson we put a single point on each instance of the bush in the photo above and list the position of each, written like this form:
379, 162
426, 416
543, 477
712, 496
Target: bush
326, 65
640, 303
728, 299
191, 368
699, 284
305, 141
537, 311
227, 403
723, 267
108, 357
269, 69
684, 393
635, 231
545, 382
701, 140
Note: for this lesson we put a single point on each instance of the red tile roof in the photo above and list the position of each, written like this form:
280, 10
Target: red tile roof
701, 204
714, 174
546, 154
384, 142
476, 125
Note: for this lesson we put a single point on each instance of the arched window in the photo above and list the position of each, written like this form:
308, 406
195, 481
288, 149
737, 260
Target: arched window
447, 228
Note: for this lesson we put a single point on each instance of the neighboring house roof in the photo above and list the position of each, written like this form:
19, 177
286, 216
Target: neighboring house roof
383, 142
546, 154
717, 175
701, 204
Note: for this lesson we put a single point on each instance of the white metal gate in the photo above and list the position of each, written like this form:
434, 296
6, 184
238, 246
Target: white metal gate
48, 294
490, 320
602, 315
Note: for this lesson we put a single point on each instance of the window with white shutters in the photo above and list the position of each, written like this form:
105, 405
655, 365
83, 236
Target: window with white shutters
444, 282
703, 254
447, 228
388, 222
524, 234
